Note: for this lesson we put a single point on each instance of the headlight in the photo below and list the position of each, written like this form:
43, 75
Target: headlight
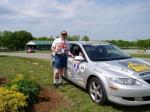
126, 81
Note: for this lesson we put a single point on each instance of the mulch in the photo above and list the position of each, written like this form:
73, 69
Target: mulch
3, 80
50, 100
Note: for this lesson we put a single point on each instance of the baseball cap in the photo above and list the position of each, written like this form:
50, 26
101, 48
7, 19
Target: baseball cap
63, 33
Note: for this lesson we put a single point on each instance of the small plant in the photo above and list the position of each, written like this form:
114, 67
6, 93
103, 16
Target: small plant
12, 101
26, 87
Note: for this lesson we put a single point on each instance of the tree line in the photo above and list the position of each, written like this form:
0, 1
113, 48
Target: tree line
131, 44
17, 40
14, 40
69, 38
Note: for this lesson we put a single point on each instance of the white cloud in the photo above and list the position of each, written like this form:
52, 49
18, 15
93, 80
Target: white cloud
84, 17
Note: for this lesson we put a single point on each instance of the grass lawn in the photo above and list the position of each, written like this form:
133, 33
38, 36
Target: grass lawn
40, 71
141, 55
39, 51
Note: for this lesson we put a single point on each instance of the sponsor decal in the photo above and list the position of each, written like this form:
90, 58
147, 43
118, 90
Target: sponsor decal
95, 43
76, 66
115, 68
82, 67
136, 66
77, 69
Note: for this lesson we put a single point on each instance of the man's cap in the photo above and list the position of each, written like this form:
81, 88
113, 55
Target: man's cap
63, 33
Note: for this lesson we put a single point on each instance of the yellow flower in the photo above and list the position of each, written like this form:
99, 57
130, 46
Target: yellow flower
19, 77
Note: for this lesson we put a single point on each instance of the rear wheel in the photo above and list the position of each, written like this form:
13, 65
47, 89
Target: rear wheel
97, 91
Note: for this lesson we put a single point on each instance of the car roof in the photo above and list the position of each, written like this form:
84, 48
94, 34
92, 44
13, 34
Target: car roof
90, 42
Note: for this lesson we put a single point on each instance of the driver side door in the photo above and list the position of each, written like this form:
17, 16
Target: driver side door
75, 70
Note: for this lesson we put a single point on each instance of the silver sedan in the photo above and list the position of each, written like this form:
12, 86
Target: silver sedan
109, 74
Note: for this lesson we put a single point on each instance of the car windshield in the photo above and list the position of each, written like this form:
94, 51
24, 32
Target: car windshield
105, 52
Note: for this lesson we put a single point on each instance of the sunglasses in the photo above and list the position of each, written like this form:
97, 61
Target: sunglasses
64, 34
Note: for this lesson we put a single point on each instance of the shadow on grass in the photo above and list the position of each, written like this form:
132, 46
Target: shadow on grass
3, 56
143, 108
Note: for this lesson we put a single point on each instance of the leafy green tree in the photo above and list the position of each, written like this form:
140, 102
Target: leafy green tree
142, 43
0, 41
85, 38
44, 38
75, 38
20, 38
6, 40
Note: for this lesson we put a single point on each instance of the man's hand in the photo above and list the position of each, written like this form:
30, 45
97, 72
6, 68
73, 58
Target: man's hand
56, 50
70, 54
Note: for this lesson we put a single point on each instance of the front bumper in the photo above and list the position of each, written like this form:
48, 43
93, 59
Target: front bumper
121, 101
129, 95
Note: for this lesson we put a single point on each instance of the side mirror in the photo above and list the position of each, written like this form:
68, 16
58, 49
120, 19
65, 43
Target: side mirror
78, 58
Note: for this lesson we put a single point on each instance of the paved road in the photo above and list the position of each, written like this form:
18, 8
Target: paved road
39, 55
29, 55
136, 51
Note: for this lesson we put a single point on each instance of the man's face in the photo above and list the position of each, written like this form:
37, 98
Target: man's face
64, 35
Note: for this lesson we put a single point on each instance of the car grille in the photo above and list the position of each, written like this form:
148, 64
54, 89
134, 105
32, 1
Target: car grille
148, 81
147, 98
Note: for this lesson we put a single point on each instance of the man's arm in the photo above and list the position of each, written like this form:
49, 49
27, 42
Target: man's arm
53, 48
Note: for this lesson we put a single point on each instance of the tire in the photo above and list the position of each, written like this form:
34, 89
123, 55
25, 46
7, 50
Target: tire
97, 91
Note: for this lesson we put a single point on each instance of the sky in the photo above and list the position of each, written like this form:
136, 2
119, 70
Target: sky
99, 19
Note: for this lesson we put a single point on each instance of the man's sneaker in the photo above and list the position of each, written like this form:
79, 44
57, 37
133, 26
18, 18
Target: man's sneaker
60, 84
55, 85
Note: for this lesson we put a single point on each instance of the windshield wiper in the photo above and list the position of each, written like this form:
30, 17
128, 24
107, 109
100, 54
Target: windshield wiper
122, 58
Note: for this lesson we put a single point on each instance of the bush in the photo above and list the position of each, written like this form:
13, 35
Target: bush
12, 101
26, 87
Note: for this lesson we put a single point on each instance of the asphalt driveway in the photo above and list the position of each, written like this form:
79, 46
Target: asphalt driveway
29, 55
39, 55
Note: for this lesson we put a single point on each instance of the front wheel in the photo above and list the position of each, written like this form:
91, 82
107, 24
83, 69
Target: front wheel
97, 91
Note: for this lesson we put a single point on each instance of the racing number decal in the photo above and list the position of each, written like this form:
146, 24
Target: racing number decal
77, 69
138, 67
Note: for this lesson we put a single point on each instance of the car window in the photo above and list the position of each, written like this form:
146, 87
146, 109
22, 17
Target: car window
105, 52
76, 50
70, 45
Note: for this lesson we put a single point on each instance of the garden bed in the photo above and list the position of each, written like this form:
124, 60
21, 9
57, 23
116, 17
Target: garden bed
50, 100
3, 80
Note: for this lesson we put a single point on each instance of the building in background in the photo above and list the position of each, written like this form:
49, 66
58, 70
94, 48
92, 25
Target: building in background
39, 45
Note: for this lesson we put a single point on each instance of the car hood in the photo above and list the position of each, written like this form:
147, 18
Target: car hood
133, 67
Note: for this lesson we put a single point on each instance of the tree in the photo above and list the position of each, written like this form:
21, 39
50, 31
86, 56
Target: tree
142, 43
75, 38
85, 38
44, 38
0, 41
51, 38
20, 38
6, 39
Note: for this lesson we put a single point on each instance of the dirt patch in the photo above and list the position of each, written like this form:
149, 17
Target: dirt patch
3, 80
50, 100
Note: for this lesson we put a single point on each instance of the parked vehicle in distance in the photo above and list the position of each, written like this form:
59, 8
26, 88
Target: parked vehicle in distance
109, 74
30, 50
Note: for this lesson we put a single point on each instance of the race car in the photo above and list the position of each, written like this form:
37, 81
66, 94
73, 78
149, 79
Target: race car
109, 74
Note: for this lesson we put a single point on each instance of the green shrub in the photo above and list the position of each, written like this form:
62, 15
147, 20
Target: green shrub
26, 87
12, 101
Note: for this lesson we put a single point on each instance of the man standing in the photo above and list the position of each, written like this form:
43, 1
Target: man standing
60, 47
